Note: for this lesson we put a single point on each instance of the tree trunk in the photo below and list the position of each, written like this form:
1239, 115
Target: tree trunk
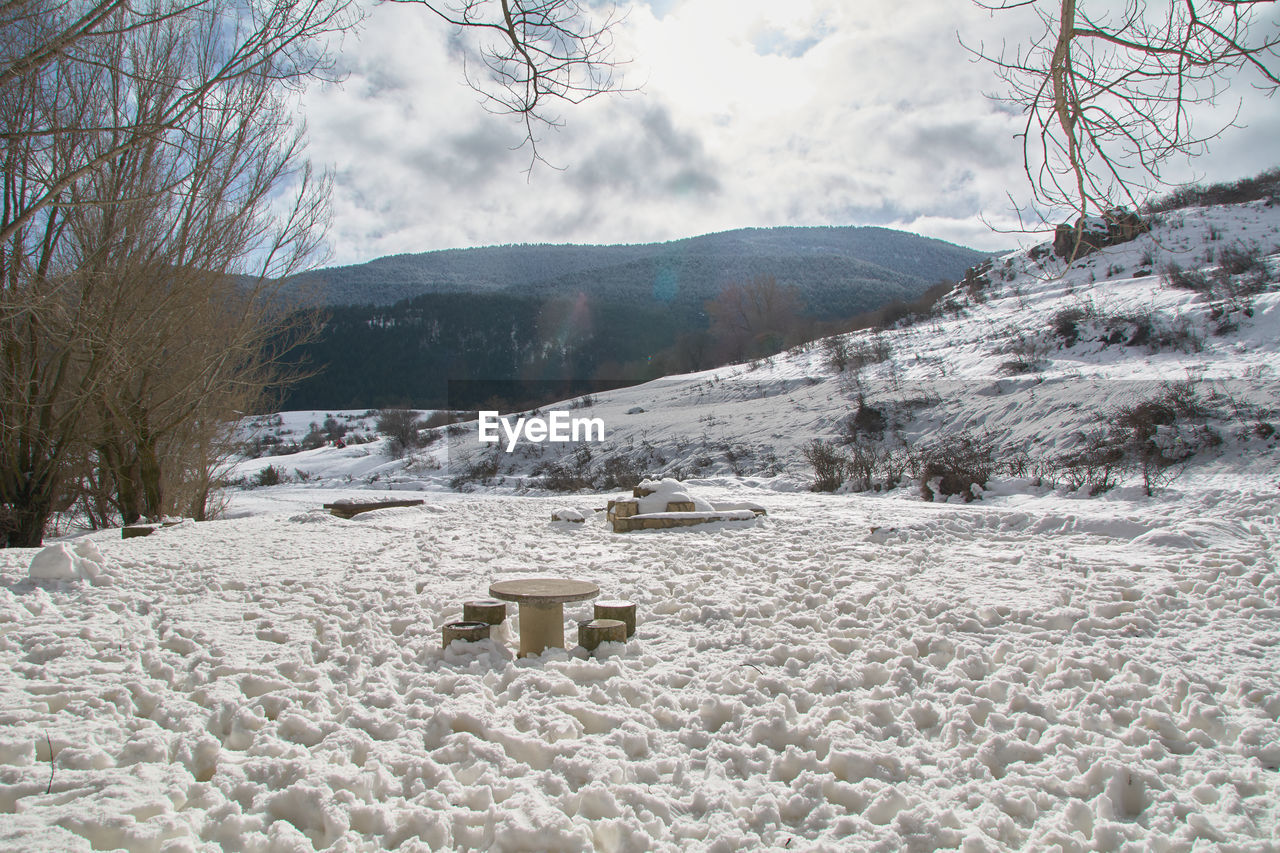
151, 474
126, 477
29, 511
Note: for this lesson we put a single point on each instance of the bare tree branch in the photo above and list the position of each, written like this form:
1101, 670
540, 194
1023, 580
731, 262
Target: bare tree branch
1109, 96
535, 53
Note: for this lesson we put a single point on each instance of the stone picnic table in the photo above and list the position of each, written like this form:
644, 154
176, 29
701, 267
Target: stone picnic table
541, 602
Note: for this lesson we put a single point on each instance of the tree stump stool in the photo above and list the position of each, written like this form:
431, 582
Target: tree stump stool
468, 632
592, 634
487, 610
623, 611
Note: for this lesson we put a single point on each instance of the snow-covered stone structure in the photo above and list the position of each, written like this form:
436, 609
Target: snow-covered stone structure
654, 505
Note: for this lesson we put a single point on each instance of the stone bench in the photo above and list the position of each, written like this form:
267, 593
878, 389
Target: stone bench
350, 509
664, 520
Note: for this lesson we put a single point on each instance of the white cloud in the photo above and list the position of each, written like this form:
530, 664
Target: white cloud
751, 113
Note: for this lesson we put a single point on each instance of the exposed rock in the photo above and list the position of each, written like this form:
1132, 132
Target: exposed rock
1089, 235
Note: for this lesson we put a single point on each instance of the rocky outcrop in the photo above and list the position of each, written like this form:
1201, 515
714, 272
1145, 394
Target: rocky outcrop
1090, 234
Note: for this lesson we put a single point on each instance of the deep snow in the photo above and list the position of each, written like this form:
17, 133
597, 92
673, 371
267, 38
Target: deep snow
849, 673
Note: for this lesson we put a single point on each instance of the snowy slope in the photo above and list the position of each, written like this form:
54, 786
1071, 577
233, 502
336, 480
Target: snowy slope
947, 374
1034, 670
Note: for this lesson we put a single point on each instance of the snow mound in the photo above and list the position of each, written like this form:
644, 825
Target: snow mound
665, 491
63, 562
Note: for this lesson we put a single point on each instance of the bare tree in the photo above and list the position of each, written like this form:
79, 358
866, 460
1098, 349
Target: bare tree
754, 318
145, 222
141, 234
282, 40
1109, 94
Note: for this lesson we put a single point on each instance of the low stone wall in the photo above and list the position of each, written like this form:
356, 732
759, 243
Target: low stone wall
661, 521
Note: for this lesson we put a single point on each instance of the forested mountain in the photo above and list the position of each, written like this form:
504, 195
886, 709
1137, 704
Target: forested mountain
399, 328
826, 260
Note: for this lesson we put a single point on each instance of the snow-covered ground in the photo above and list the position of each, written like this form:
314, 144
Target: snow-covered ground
849, 673
1035, 670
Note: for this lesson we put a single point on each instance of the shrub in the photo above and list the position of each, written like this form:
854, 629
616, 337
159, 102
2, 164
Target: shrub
333, 429
568, 473
481, 470
563, 475
446, 418
1030, 352
844, 355
865, 460
954, 465
313, 439
402, 426
1145, 434
1020, 366
1175, 276
1097, 464
828, 465
1151, 329
1066, 324
835, 352
867, 420
1265, 185
1238, 259
621, 472
269, 476
1149, 438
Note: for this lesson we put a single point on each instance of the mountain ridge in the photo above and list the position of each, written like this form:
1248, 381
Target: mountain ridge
854, 253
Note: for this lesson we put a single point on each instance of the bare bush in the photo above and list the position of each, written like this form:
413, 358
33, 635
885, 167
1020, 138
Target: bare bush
403, 428
866, 461
1096, 464
1066, 323
1239, 259
1031, 352
868, 420
954, 465
1183, 279
478, 471
1265, 185
844, 353
1151, 438
835, 352
828, 463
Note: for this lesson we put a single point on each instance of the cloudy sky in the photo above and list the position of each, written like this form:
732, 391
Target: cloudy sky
744, 113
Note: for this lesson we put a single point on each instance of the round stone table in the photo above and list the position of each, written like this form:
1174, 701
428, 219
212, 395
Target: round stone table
541, 602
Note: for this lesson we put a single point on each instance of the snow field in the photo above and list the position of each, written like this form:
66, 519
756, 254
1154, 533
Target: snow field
848, 673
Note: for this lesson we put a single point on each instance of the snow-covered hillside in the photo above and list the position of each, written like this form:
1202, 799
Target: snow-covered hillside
1037, 669
1021, 359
